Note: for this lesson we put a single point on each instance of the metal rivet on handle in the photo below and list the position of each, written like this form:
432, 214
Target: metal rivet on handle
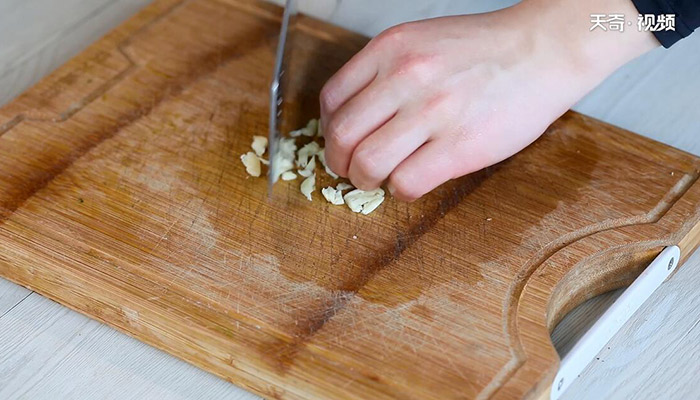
670, 263
561, 382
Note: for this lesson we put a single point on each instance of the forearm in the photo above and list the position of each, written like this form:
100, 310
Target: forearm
565, 27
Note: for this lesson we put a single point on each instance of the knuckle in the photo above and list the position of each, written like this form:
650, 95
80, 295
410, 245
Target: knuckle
392, 35
404, 186
339, 135
365, 165
418, 67
326, 98
332, 129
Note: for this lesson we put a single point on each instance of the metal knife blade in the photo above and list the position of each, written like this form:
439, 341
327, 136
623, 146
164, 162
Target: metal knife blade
277, 88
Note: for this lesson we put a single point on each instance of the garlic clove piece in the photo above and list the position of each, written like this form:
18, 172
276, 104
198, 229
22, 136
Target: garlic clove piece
311, 128
252, 163
259, 145
309, 168
344, 186
372, 205
334, 196
288, 176
308, 186
358, 200
284, 159
306, 152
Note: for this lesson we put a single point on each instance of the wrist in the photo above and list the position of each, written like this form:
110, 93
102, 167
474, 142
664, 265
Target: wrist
563, 30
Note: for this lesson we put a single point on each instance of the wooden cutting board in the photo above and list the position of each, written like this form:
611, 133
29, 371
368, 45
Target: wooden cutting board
122, 196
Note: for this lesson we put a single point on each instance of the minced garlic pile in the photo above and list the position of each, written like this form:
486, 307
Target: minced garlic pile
304, 160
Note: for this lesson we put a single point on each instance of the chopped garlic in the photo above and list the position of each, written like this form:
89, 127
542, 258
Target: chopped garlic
252, 163
308, 186
306, 152
312, 127
322, 157
309, 130
344, 186
284, 159
287, 157
334, 196
259, 145
364, 201
309, 168
287, 146
289, 176
298, 132
372, 205
281, 166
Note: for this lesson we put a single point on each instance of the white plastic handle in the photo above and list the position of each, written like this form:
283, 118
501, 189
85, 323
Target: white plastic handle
613, 319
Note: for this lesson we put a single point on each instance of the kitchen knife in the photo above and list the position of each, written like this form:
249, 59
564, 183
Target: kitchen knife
277, 89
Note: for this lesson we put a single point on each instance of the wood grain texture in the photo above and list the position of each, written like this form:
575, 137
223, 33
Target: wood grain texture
135, 211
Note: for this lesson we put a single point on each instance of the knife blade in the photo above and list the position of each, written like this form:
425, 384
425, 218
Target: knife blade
277, 88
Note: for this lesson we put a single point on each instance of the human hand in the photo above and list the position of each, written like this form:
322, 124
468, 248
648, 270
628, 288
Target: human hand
433, 100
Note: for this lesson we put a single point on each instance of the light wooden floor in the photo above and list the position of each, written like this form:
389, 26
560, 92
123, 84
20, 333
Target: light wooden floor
50, 352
